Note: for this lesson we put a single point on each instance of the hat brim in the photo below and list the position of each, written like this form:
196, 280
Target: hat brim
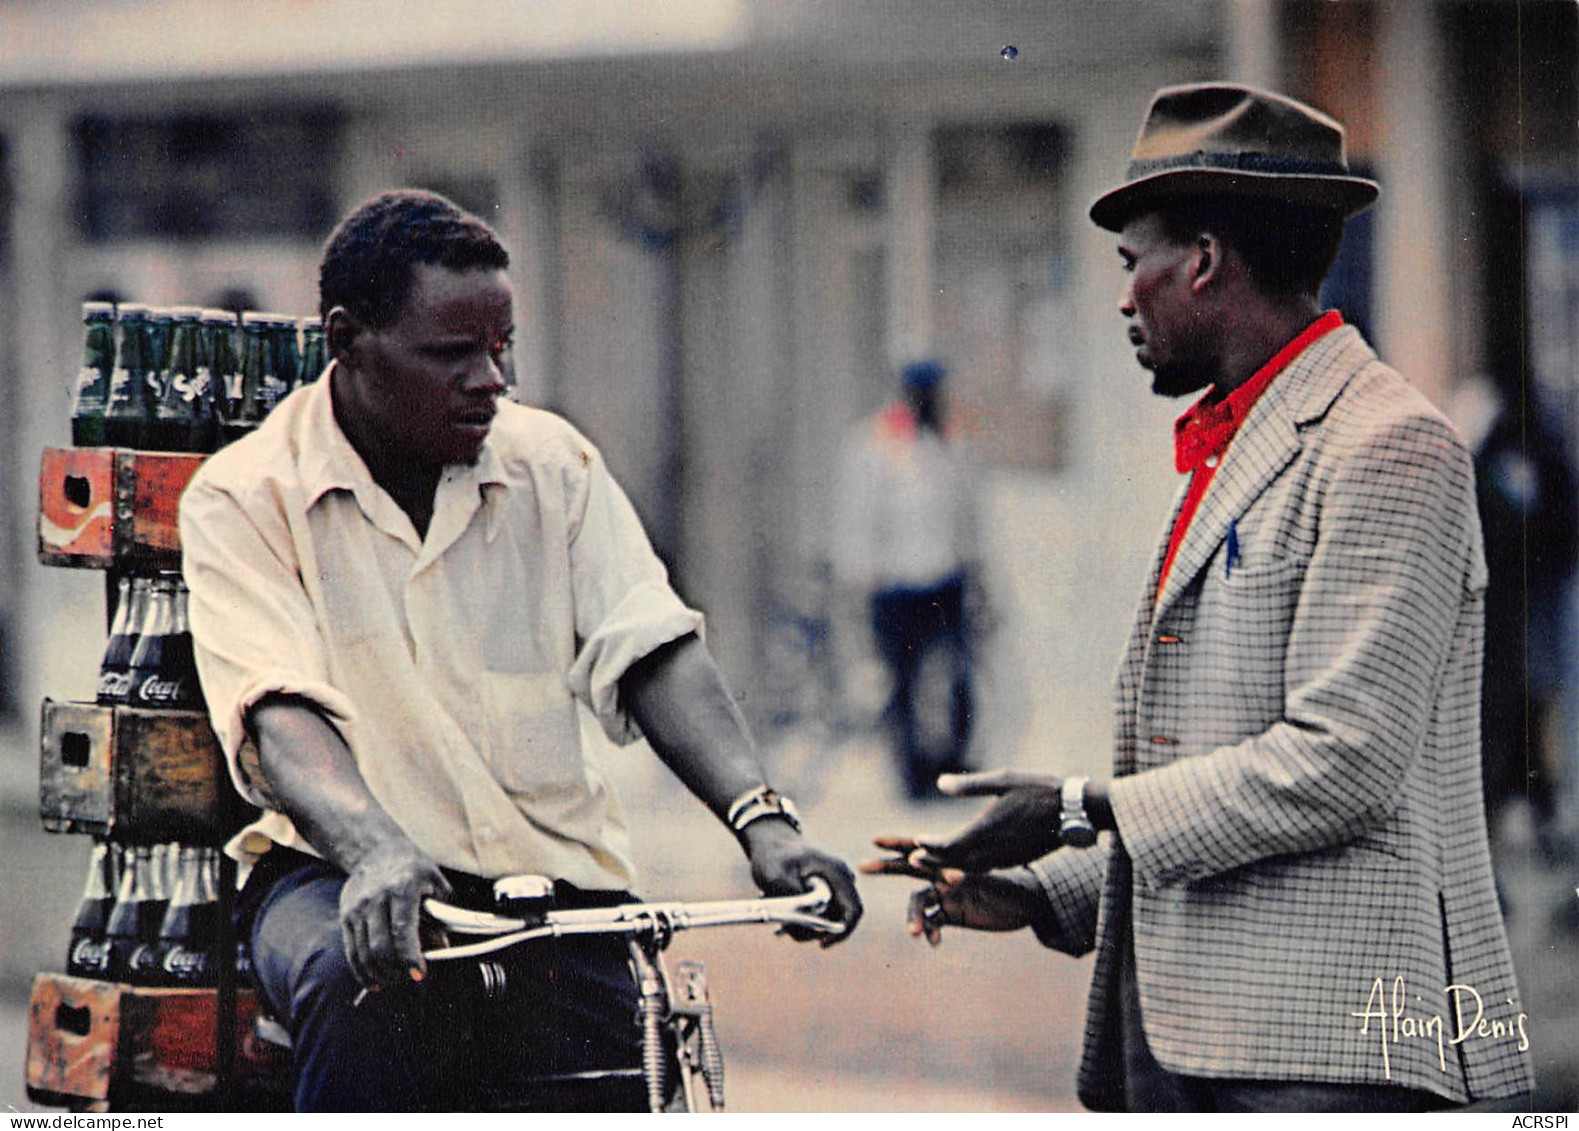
1344, 195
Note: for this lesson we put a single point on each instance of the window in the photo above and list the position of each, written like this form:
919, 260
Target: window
263, 173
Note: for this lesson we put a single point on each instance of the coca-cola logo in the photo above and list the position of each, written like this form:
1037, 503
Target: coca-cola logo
184, 964
144, 958
114, 685
156, 690
89, 954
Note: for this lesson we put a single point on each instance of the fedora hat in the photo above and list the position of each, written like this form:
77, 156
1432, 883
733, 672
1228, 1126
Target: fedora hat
1218, 139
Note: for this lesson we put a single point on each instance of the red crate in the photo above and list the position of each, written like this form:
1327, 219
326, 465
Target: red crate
102, 508
93, 1044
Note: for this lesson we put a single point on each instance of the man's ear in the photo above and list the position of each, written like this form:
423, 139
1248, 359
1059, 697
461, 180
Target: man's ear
1209, 253
341, 330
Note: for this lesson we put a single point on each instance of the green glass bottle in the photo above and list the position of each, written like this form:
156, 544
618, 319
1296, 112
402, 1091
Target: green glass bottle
161, 326
92, 395
219, 342
284, 334
314, 350
130, 408
259, 382
185, 419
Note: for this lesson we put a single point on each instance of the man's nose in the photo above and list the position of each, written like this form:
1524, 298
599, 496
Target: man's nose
485, 376
1126, 300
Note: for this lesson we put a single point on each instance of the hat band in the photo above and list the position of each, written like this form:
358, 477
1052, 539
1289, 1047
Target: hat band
1244, 162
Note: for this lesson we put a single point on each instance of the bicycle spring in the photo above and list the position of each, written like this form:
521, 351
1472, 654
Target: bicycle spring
712, 1059
652, 1050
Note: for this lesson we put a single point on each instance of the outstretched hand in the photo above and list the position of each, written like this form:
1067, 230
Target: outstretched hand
1018, 827
980, 901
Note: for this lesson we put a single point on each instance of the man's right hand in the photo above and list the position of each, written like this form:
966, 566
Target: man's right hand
979, 901
380, 909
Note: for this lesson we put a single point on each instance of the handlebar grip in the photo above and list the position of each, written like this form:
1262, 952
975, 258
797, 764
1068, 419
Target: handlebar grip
818, 895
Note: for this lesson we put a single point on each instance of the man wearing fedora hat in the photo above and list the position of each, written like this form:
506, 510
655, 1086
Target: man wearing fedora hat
1286, 881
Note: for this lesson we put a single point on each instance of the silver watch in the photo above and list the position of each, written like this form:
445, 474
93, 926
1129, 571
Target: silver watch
1074, 824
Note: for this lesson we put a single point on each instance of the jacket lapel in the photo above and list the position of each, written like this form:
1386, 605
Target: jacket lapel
1266, 443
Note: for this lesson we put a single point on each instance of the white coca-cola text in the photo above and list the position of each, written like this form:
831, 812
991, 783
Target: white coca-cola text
156, 690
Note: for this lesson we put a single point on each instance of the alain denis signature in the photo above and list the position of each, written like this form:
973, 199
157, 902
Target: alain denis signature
1473, 1020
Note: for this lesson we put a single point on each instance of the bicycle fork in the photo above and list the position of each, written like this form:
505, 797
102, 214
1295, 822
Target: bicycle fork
688, 1012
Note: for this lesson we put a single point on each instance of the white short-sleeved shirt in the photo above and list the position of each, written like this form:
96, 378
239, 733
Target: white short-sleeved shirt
456, 667
904, 508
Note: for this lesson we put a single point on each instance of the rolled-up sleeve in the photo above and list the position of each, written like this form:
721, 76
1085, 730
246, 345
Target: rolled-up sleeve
624, 605
253, 628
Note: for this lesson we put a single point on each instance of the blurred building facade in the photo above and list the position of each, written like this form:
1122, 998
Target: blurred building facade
732, 219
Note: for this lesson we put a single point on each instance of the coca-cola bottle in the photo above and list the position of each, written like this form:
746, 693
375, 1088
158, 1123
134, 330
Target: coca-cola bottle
139, 910
186, 938
88, 953
115, 671
162, 670
142, 962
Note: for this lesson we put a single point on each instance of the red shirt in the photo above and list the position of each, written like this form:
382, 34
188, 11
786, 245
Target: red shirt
1201, 436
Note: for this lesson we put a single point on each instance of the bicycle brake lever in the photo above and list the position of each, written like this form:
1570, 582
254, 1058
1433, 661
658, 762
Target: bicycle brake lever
464, 921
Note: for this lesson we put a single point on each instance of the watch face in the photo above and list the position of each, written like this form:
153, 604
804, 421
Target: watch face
1078, 834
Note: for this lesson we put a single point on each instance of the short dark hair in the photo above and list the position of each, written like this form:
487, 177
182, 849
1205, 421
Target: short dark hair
368, 262
1289, 248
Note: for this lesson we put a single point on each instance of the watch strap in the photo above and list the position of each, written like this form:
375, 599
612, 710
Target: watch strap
754, 804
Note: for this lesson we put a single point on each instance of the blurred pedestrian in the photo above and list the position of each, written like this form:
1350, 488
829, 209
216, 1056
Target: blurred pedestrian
1529, 511
1295, 852
904, 544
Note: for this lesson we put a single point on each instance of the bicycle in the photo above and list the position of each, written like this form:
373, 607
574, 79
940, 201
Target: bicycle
675, 1014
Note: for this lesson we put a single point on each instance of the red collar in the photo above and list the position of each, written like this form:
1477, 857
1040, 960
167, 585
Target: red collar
1206, 428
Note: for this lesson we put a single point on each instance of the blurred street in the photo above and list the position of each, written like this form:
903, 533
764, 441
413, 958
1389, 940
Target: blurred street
879, 1024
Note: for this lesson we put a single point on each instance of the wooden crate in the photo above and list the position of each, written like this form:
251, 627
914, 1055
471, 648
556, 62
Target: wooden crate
108, 1045
100, 508
134, 774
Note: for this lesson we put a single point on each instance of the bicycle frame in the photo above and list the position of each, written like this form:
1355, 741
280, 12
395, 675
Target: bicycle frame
682, 1005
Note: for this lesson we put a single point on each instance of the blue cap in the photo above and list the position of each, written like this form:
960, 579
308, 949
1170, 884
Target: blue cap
921, 374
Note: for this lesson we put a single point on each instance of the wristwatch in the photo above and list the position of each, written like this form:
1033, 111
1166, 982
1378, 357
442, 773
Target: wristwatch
1074, 825
757, 803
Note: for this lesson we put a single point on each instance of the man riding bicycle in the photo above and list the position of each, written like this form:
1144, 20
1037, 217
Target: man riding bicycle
404, 592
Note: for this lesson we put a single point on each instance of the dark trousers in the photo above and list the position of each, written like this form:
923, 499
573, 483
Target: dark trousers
907, 625
444, 1044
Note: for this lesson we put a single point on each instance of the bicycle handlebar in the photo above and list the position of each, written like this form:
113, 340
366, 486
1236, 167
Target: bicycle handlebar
629, 919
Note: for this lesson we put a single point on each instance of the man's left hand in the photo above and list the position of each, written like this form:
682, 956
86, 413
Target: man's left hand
782, 863
1020, 826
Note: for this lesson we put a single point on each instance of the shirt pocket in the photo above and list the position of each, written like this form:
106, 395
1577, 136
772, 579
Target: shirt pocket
533, 737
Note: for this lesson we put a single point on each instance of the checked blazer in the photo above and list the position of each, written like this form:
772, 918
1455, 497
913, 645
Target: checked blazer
1297, 763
